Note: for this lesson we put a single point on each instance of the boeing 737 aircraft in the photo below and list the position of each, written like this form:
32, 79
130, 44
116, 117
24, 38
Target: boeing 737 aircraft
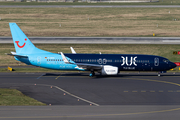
105, 64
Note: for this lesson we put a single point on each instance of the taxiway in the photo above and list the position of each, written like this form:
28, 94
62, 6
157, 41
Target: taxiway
76, 96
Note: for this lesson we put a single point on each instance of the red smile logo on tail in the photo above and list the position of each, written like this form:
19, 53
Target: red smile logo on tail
17, 42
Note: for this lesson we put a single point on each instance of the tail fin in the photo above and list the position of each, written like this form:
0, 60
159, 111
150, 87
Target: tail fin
21, 42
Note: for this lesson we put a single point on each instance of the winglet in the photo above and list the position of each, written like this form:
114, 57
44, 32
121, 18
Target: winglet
64, 58
72, 50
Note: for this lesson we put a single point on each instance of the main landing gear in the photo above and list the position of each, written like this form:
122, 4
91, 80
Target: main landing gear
159, 73
91, 74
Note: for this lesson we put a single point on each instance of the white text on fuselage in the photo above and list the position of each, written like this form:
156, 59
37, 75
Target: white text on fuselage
110, 70
130, 63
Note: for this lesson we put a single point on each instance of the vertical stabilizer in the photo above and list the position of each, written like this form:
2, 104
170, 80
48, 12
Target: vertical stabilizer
21, 42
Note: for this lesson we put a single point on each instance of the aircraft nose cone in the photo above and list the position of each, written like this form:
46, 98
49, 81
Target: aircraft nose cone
172, 65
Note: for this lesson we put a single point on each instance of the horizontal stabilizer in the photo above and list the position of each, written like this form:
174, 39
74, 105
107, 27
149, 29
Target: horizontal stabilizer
14, 54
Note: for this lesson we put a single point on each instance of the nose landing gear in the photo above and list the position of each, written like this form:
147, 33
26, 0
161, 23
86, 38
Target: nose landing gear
159, 73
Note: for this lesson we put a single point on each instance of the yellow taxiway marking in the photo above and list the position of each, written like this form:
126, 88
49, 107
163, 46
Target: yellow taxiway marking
170, 90
151, 91
134, 91
161, 91
126, 91
76, 116
57, 77
159, 81
98, 115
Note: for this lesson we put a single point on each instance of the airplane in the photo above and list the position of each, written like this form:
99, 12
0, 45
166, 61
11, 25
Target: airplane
105, 64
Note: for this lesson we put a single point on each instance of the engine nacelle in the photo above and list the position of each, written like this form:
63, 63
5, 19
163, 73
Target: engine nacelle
109, 70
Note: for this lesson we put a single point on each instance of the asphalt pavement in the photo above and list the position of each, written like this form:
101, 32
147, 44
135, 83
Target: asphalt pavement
99, 40
136, 96
89, 6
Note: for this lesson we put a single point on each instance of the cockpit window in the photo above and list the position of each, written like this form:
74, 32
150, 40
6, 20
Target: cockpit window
165, 60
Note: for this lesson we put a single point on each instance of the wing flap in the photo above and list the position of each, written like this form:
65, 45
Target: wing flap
89, 66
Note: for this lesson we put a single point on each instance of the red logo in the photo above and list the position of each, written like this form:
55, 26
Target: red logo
177, 63
17, 42
178, 52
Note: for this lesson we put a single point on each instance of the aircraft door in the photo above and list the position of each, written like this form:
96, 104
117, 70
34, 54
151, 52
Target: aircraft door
100, 61
104, 61
39, 60
156, 61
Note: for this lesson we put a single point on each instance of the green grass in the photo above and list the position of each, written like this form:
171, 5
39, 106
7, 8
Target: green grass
102, 21
161, 2
175, 69
14, 97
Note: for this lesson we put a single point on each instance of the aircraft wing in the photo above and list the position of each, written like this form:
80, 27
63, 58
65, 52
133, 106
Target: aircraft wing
89, 66
83, 65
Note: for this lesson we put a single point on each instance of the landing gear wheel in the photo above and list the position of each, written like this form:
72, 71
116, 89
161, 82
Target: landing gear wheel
159, 74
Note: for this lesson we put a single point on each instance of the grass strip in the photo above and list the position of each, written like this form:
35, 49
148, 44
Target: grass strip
14, 97
161, 2
92, 22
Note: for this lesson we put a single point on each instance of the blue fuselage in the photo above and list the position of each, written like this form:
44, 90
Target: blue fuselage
105, 64
124, 62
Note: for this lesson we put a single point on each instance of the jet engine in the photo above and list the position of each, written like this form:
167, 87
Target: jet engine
109, 70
